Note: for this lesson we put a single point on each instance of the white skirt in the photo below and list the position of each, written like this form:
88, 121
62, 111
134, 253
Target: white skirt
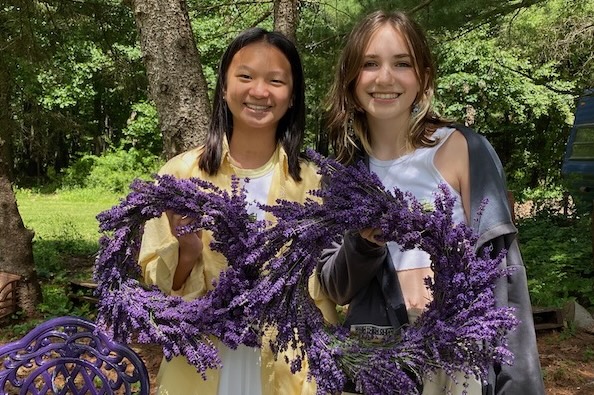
241, 371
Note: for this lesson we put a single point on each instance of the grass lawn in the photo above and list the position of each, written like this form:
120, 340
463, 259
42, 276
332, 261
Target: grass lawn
66, 233
65, 215
64, 247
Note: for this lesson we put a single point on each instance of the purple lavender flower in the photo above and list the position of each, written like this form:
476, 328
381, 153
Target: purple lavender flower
265, 284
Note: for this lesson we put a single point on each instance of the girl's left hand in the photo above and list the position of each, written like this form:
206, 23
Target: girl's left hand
370, 234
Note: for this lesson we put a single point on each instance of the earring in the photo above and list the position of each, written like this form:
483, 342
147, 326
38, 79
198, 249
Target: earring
415, 109
350, 127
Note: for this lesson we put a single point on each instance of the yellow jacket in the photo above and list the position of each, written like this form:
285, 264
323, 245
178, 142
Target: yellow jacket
159, 255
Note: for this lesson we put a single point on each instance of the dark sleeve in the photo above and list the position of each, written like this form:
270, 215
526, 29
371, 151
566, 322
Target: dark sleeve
524, 377
346, 268
495, 228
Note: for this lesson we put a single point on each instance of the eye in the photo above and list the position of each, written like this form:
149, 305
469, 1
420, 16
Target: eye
277, 82
369, 64
244, 77
403, 64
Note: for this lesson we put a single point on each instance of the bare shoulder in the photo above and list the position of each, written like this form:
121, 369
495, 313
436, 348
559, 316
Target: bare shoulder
456, 142
451, 160
183, 165
454, 149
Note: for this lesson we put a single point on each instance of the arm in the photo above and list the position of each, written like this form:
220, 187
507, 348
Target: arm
189, 250
350, 266
173, 264
158, 254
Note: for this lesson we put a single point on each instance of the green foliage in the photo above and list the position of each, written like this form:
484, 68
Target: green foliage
55, 301
557, 33
557, 252
545, 201
17, 329
490, 86
215, 24
76, 69
142, 129
320, 36
69, 80
569, 331
113, 171
76, 175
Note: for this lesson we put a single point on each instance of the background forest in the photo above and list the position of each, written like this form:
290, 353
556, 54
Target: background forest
78, 86
79, 117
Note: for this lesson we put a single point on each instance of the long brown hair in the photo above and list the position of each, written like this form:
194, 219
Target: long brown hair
348, 130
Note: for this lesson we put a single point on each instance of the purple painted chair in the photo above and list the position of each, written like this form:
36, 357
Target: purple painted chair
67, 355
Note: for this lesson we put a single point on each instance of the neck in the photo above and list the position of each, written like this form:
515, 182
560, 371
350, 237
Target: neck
251, 150
389, 139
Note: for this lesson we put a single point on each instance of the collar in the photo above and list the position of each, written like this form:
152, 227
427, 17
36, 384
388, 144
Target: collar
278, 157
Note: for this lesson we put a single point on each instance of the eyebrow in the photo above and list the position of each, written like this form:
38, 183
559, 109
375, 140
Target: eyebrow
273, 73
397, 56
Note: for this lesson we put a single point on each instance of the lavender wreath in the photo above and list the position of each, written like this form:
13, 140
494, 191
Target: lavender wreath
265, 284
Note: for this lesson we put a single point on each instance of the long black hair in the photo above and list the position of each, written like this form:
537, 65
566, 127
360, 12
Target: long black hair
291, 127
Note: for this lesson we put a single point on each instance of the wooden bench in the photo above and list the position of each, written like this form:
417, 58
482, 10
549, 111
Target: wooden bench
69, 355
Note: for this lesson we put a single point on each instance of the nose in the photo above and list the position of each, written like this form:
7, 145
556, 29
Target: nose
259, 89
384, 75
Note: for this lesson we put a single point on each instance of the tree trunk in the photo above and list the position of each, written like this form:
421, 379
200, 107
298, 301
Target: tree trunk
176, 81
286, 18
16, 249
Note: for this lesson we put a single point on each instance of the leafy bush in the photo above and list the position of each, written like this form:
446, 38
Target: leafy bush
113, 171
557, 252
142, 129
76, 175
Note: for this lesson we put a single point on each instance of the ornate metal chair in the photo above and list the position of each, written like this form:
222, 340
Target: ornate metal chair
67, 355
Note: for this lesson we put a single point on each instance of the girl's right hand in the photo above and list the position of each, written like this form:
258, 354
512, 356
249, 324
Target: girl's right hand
190, 243
190, 248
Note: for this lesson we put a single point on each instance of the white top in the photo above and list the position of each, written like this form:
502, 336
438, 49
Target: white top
241, 369
257, 186
257, 192
416, 172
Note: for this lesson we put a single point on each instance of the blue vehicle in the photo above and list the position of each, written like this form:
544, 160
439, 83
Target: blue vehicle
578, 163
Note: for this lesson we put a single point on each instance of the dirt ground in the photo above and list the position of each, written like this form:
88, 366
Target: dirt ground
567, 361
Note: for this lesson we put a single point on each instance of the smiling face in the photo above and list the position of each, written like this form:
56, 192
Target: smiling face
387, 85
259, 87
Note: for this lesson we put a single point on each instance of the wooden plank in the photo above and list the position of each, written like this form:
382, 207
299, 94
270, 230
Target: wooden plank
547, 318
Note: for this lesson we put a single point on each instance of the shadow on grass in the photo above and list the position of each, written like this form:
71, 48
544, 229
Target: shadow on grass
64, 258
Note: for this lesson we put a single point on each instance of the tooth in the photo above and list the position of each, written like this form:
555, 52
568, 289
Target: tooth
256, 107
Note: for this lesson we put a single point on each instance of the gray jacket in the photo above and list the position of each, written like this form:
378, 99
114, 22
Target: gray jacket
361, 274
